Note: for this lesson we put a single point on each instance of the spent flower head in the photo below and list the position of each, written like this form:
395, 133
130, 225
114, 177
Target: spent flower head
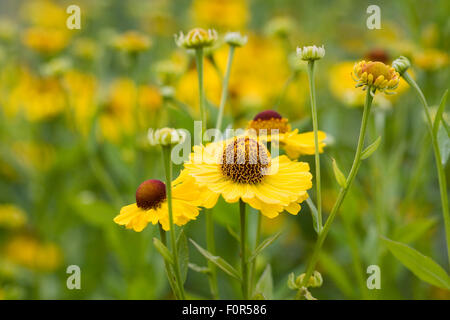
196, 38
311, 53
375, 75
401, 64
235, 39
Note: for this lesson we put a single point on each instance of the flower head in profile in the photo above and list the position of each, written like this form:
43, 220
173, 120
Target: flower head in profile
235, 39
376, 75
196, 38
165, 136
152, 206
311, 53
294, 143
132, 41
401, 64
241, 168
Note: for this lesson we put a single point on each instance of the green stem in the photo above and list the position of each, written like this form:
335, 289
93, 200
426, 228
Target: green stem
169, 272
223, 98
210, 244
201, 93
257, 239
438, 160
243, 251
168, 169
316, 139
343, 191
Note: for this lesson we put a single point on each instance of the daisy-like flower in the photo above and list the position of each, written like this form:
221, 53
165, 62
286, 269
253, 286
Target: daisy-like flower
294, 143
376, 75
152, 206
196, 38
311, 53
242, 168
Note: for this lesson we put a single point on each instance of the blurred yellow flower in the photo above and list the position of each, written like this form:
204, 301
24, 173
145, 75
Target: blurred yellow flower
86, 48
46, 40
132, 41
39, 98
431, 59
11, 216
224, 15
34, 155
44, 13
29, 252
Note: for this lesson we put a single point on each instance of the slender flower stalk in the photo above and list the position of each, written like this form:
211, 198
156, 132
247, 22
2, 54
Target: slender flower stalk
437, 157
316, 139
201, 91
244, 266
168, 170
343, 191
169, 271
224, 96
257, 240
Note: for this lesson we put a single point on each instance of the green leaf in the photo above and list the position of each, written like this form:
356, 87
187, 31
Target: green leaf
183, 255
162, 249
371, 149
314, 215
443, 143
264, 286
414, 230
218, 261
267, 242
337, 273
422, 266
439, 113
340, 178
291, 281
199, 269
233, 233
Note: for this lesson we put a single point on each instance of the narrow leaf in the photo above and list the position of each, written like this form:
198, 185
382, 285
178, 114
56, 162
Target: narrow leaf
439, 113
314, 215
218, 261
340, 178
422, 266
414, 230
199, 269
264, 286
162, 249
371, 149
183, 255
233, 233
443, 140
267, 242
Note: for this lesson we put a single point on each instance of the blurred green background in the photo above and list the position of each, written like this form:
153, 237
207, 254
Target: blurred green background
75, 106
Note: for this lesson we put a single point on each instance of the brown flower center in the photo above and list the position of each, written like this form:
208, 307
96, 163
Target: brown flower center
245, 160
150, 194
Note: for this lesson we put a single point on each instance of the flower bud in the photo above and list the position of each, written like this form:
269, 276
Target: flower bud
311, 53
235, 39
165, 137
196, 38
401, 64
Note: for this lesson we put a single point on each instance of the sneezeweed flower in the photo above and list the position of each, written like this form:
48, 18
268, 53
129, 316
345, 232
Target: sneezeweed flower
431, 59
224, 15
132, 42
46, 40
152, 206
376, 76
165, 137
196, 38
241, 168
235, 39
294, 143
311, 53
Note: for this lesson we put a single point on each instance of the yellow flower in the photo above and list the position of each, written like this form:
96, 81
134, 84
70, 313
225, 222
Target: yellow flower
242, 168
11, 216
132, 41
342, 87
46, 40
31, 253
152, 206
294, 143
221, 14
45, 13
431, 59
376, 75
